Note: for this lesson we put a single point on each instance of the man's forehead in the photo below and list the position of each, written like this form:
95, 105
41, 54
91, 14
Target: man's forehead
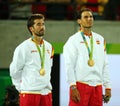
38, 21
86, 13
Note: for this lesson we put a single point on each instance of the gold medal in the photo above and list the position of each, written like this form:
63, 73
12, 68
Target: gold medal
42, 71
91, 62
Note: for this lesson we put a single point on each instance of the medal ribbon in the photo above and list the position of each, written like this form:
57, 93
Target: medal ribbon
91, 45
42, 54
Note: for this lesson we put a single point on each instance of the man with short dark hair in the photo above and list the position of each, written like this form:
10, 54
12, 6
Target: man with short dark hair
30, 69
86, 64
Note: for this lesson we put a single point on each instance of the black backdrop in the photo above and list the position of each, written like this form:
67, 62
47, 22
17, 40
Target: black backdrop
55, 79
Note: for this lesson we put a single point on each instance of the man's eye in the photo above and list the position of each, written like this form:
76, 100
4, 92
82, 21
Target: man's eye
40, 24
86, 17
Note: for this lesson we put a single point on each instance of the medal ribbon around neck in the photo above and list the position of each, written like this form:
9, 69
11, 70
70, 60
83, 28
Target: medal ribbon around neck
42, 54
90, 52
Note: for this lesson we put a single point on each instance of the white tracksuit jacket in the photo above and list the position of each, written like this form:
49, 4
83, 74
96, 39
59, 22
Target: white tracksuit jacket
24, 69
76, 61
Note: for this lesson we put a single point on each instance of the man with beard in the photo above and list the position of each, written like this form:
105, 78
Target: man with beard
86, 64
30, 69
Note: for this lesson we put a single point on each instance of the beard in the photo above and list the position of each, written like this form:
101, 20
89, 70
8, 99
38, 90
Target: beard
41, 33
87, 27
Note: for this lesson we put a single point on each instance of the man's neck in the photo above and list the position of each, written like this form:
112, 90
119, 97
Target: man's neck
87, 31
37, 39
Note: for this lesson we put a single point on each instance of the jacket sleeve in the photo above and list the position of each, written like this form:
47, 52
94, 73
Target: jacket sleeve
106, 75
16, 67
70, 55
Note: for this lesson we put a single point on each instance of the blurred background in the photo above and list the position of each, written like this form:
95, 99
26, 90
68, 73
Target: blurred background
60, 25
59, 9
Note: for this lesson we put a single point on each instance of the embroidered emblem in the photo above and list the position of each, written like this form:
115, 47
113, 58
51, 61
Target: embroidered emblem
82, 42
97, 41
33, 51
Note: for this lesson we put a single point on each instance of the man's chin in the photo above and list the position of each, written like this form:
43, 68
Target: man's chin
88, 27
40, 35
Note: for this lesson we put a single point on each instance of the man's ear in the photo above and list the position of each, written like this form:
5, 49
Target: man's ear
79, 21
31, 29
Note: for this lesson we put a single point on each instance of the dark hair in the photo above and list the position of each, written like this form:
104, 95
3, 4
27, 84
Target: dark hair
81, 11
11, 96
33, 17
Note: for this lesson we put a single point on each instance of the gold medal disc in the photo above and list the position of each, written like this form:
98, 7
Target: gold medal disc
91, 62
42, 71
